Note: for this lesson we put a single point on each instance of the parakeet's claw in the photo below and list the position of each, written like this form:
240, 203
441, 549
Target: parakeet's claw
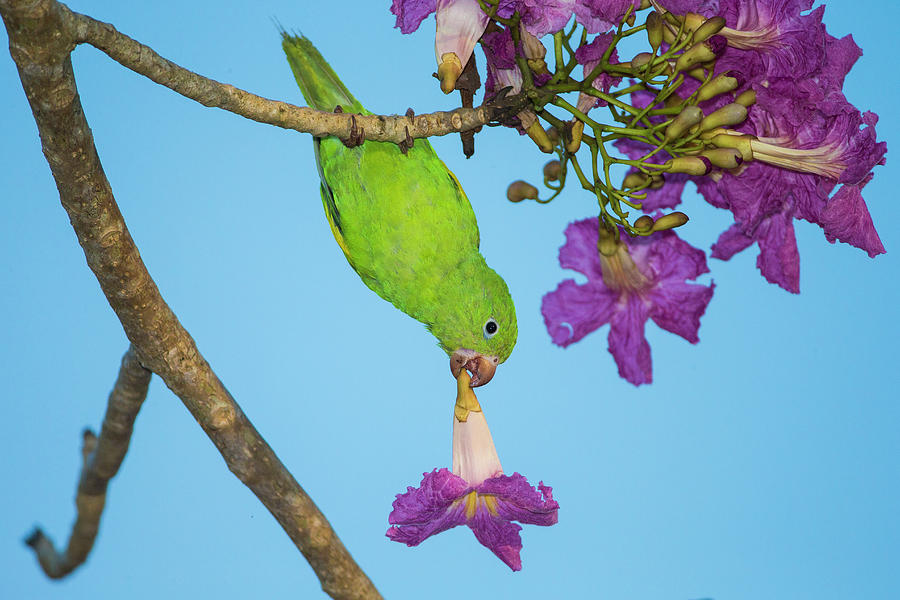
357, 134
406, 144
480, 366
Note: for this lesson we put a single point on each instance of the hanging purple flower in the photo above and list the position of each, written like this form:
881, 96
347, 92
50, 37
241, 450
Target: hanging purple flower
476, 493
644, 279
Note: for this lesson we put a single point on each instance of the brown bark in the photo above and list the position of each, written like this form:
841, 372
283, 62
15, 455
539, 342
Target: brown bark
129, 53
41, 43
101, 457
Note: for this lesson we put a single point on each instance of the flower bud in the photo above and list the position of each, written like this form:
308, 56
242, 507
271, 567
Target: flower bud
534, 51
633, 180
692, 21
687, 118
552, 170
657, 180
720, 84
576, 130
539, 136
449, 71
724, 158
747, 98
553, 134
740, 143
702, 52
655, 28
692, 165
730, 114
709, 28
643, 223
521, 190
641, 59
669, 221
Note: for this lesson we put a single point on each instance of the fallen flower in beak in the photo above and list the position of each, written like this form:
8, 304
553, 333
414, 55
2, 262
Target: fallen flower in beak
476, 493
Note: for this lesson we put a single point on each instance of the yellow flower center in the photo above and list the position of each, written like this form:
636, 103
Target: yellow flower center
473, 499
619, 271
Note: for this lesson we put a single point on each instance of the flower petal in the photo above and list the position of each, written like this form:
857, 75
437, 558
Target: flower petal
572, 311
627, 343
846, 218
518, 500
678, 306
730, 242
673, 259
779, 260
411, 13
499, 536
580, 253
435, 493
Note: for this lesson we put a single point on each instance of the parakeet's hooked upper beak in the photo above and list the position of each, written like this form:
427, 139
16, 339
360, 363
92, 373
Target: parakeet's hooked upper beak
481, 367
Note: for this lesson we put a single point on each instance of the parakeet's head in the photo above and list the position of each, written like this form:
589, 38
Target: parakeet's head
477, 324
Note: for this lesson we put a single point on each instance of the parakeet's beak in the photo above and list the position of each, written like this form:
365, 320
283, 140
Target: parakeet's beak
480, 366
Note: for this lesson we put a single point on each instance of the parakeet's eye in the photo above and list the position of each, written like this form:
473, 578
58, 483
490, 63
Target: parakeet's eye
490, 328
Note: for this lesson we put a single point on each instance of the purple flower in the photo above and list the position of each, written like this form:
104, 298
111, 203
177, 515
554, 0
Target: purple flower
411, 13
588, 56
599, 16
773, 37
809, 140
539, 17
644, 278
476, 493
460, 24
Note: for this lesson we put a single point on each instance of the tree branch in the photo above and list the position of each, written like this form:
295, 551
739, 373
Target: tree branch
142, 59
101, 460
41, 45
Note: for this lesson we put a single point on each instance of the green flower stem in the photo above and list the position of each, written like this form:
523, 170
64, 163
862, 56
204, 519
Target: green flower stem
557, 53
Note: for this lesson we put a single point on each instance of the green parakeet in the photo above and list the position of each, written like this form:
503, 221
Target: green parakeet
407, 228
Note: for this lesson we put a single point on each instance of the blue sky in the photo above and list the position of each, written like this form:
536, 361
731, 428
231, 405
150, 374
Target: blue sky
761, 463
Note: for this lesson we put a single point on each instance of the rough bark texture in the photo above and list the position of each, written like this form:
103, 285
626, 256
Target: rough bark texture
143, 60
40, 43
101, 460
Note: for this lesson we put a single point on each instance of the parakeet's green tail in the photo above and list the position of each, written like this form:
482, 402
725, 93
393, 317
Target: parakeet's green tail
318, 82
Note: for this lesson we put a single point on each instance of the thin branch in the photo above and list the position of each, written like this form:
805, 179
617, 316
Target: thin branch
142, 59
41, 47
101, 460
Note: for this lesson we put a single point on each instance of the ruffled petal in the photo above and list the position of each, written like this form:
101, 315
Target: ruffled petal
628, 345
673, 259
411, 13
499, 536
599, 16
572, 311
779, 260
517, 500
438, 490
730, 242
846, 218
677, 308
579, 253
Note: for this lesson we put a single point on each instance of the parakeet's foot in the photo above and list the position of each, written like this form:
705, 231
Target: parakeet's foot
357, 134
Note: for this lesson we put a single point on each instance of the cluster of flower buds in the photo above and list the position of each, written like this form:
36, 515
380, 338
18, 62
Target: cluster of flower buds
742, 97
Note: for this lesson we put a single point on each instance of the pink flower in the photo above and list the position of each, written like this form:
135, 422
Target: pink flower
476, 494
645, 278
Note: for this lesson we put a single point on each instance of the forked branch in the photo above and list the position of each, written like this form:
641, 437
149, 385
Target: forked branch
101, 458
41, 40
